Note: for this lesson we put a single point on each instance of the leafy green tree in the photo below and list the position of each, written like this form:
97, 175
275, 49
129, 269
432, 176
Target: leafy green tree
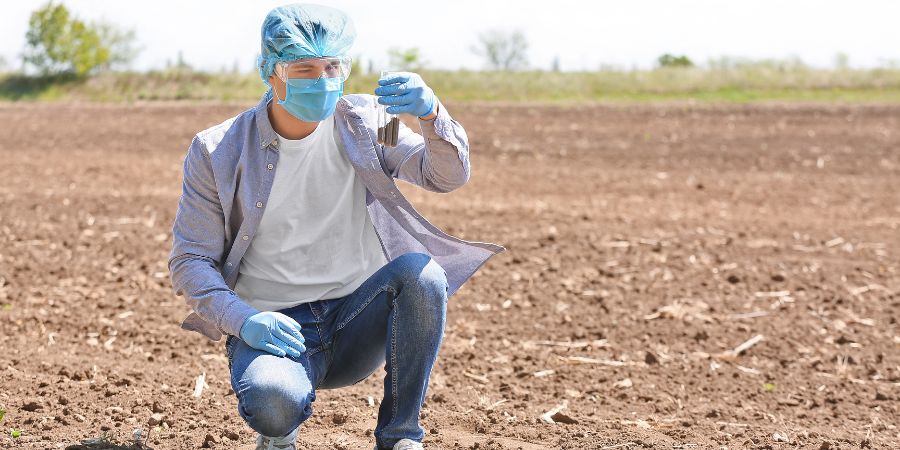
668, 60
406, 59
120, 43
58, 43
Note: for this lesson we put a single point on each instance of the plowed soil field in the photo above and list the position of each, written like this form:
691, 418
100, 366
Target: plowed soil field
678, 276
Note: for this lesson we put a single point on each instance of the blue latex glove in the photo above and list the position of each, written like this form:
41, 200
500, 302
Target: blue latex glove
405, 92
273, 332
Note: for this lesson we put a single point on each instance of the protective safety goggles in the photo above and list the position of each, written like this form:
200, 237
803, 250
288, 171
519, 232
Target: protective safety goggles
313, 68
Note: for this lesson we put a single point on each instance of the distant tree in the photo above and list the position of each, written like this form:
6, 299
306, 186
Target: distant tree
58, 43
406, 59
181, 64
503, 50
356, 65
668, 60
722, 63
555, 65
841, 61
3, 64
120, 43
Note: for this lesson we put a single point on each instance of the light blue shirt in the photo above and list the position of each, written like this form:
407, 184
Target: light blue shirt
228, 174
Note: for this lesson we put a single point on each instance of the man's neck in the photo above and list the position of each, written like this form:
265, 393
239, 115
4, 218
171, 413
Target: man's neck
288, 126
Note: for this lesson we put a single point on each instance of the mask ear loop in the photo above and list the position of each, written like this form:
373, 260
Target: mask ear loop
275, 91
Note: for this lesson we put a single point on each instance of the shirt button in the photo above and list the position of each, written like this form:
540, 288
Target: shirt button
259, 204
245, 237
229, 264
270, 166
275, 143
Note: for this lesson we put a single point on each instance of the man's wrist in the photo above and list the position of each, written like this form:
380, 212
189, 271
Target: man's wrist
241, 329
431, 115
236, 316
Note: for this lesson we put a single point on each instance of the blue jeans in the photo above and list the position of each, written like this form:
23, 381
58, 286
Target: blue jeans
396, 316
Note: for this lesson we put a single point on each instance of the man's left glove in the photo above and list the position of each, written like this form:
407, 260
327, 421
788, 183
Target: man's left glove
405, 92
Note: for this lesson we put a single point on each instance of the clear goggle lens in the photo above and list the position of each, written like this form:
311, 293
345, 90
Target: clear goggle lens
312, 68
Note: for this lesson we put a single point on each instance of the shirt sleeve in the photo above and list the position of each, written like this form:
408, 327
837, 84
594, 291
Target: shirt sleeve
198, 237
437, 160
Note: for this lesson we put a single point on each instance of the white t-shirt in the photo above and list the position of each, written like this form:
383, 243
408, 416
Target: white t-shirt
315, 239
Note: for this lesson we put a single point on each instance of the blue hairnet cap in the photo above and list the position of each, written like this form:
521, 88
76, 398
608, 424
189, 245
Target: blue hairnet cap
303, 31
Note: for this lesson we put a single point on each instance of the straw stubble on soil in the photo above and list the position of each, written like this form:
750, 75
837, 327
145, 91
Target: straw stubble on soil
645, 243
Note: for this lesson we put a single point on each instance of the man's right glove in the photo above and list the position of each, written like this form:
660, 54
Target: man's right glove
273, 332
406, 92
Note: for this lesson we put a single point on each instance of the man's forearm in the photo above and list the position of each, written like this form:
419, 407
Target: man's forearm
448, 150
205, 291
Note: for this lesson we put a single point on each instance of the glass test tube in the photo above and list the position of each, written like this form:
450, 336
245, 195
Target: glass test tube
388, 124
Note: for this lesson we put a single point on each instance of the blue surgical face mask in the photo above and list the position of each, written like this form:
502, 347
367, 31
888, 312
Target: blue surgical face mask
312, 100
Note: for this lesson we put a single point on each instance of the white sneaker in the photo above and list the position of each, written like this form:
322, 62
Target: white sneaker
288, 442
408, 444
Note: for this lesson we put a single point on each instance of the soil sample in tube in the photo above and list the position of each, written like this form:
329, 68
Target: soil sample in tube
394, 131
389, 134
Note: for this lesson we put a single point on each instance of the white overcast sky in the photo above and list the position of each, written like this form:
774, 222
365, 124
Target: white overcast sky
582, 34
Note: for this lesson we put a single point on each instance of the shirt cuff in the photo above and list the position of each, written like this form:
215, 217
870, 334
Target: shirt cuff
440, 127
235, 316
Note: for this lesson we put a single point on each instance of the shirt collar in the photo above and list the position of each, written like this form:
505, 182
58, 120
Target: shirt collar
267, 135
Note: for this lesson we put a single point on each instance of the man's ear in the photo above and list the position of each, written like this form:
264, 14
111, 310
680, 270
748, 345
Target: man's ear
277, 86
